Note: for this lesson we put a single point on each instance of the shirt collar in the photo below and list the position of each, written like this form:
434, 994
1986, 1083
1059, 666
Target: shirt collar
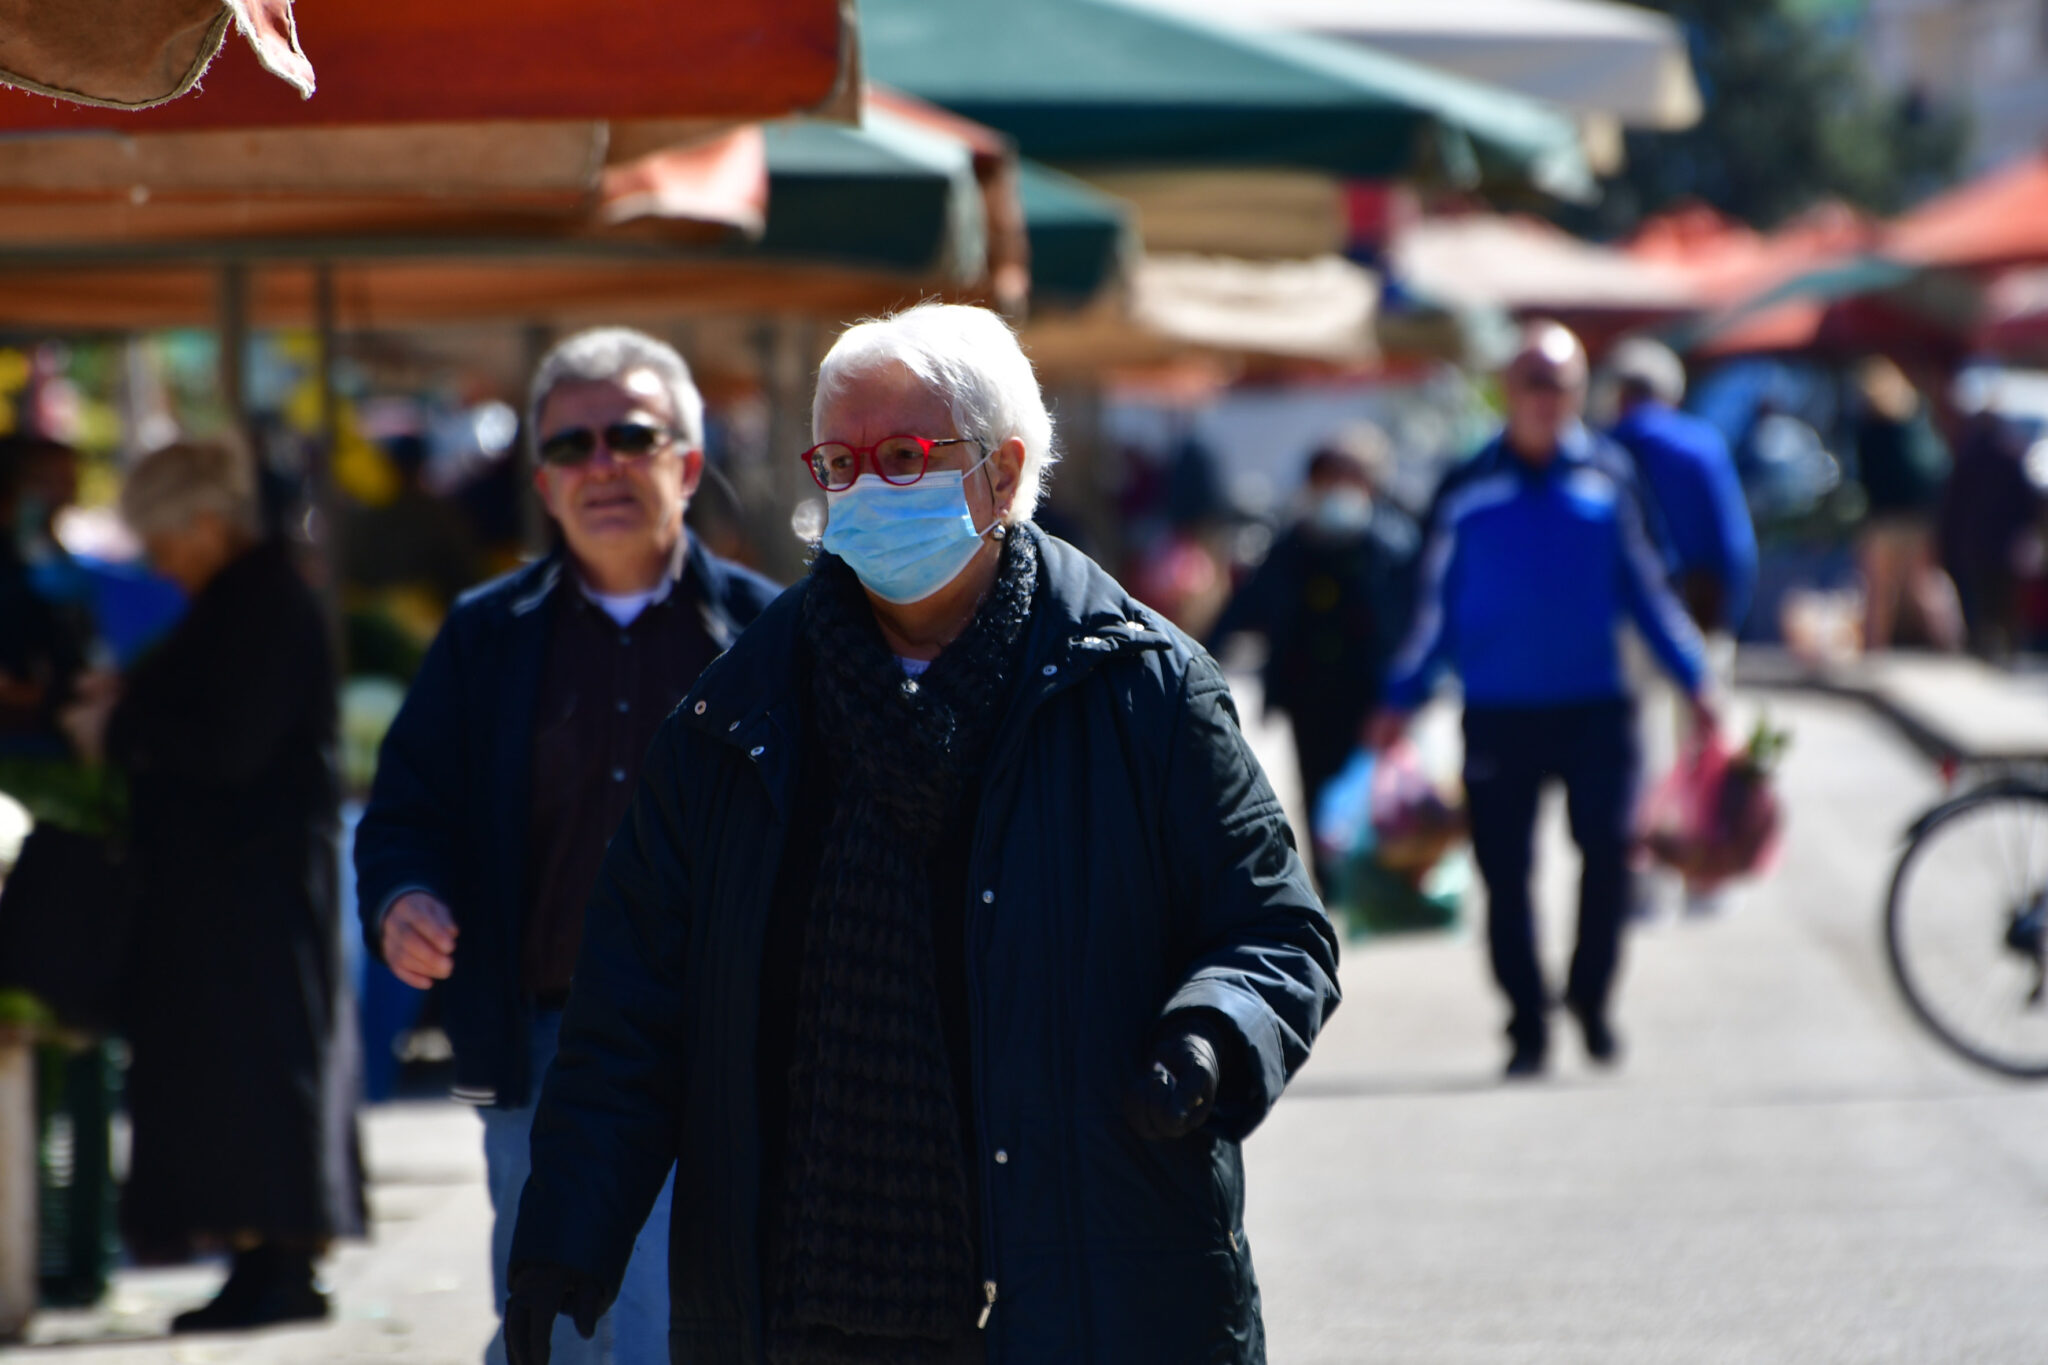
678, 562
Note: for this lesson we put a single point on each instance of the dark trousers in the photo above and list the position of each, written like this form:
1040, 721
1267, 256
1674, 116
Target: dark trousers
1325, 737
1509, 754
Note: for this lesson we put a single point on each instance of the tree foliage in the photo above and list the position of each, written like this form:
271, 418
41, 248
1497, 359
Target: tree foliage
1792, 118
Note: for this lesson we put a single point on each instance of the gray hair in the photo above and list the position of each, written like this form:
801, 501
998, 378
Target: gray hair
612, 353
1650, 366
170, 488
969, 357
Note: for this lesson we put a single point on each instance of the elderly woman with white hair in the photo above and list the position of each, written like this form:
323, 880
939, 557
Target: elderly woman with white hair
243, 1132
953, 943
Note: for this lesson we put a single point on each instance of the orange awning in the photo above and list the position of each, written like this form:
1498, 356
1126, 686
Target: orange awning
1998, 220
421, 291
449, 60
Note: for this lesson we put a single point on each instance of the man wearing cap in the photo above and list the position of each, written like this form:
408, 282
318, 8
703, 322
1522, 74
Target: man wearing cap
518, 750
1535, 554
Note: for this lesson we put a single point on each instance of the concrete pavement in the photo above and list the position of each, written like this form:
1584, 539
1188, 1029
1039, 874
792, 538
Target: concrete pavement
1785, 1170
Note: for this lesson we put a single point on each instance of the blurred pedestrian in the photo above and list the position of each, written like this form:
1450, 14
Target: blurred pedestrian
1535, 553
1990, 531
952, 945
43, 643
416, 542
1902, 464
1332, 600
1689, 477
519, 745
241, 1083
1695, 501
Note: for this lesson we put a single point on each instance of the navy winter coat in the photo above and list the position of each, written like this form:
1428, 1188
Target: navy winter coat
1129, 859
448, 812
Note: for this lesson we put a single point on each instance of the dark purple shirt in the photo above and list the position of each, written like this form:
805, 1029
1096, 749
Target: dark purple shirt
605, 689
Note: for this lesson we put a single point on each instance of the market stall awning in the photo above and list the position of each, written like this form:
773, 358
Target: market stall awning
1082, 240
1998, 220
340, 184
451, 60
891, 192
1320, 310
1588, 56
1100, 83
422, 288
1527, 266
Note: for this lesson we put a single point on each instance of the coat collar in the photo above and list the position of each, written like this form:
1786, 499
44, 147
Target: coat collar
1081, 619
699, 572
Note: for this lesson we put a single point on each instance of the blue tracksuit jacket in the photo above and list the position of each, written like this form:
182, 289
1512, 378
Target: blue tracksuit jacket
1526, 577
1688, 472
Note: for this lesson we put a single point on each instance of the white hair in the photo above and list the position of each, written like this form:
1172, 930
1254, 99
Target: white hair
1651, 366
170, 488
970, 358
612, 353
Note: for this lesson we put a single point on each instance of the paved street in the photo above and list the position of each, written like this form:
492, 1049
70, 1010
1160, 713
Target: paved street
1784, 1171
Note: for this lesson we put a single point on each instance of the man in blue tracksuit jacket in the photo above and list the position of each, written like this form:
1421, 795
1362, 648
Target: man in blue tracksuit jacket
1690, 476
1536, 551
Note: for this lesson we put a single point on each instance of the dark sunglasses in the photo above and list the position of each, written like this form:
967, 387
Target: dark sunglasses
625, 439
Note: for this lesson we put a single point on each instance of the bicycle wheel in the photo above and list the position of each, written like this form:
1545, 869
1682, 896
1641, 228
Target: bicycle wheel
1967, 926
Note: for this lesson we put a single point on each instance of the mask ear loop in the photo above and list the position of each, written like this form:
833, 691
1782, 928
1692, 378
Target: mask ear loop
997, 530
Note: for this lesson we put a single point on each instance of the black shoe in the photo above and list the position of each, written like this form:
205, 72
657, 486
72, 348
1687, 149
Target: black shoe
1527, 1060
264, 1290
1601, 1044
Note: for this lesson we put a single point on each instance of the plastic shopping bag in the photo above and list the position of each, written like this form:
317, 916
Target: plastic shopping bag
1716, 816
1414, 822
1343, 813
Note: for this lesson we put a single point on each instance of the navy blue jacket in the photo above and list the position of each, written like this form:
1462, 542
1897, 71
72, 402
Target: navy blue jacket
448, 811
1527, 575
1128, 860
1690, 476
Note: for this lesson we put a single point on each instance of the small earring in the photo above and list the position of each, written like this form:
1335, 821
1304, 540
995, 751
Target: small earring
1001, 533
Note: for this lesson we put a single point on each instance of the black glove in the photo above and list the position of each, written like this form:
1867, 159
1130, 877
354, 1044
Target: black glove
1177, 1093
539, 1293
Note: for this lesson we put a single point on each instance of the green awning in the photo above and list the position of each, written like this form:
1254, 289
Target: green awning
1081, 238
1108, 82
888, 193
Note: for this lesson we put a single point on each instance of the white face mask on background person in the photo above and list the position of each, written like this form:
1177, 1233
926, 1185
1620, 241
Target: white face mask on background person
905, 541
1341, 511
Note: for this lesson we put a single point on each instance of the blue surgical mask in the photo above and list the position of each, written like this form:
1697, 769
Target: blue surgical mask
905, 541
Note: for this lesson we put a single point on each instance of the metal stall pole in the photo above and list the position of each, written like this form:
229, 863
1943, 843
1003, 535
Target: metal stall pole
325, 523
20, 1259
232, 308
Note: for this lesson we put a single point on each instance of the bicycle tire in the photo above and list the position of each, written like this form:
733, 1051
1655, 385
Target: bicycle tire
1938, 824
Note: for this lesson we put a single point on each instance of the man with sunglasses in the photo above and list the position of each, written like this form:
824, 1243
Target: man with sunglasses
518, 749
1537, 551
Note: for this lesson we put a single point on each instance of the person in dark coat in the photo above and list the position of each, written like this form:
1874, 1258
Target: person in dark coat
241, 1084
517, 751
42, 646
1989, 533
1332, 599
953, 943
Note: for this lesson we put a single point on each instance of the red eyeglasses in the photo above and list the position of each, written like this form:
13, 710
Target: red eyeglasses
899, 460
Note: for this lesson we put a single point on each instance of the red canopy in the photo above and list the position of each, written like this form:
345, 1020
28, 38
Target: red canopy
2000, 219
457, 60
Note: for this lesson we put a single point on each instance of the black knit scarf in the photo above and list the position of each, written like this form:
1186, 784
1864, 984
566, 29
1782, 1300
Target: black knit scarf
876, 1259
